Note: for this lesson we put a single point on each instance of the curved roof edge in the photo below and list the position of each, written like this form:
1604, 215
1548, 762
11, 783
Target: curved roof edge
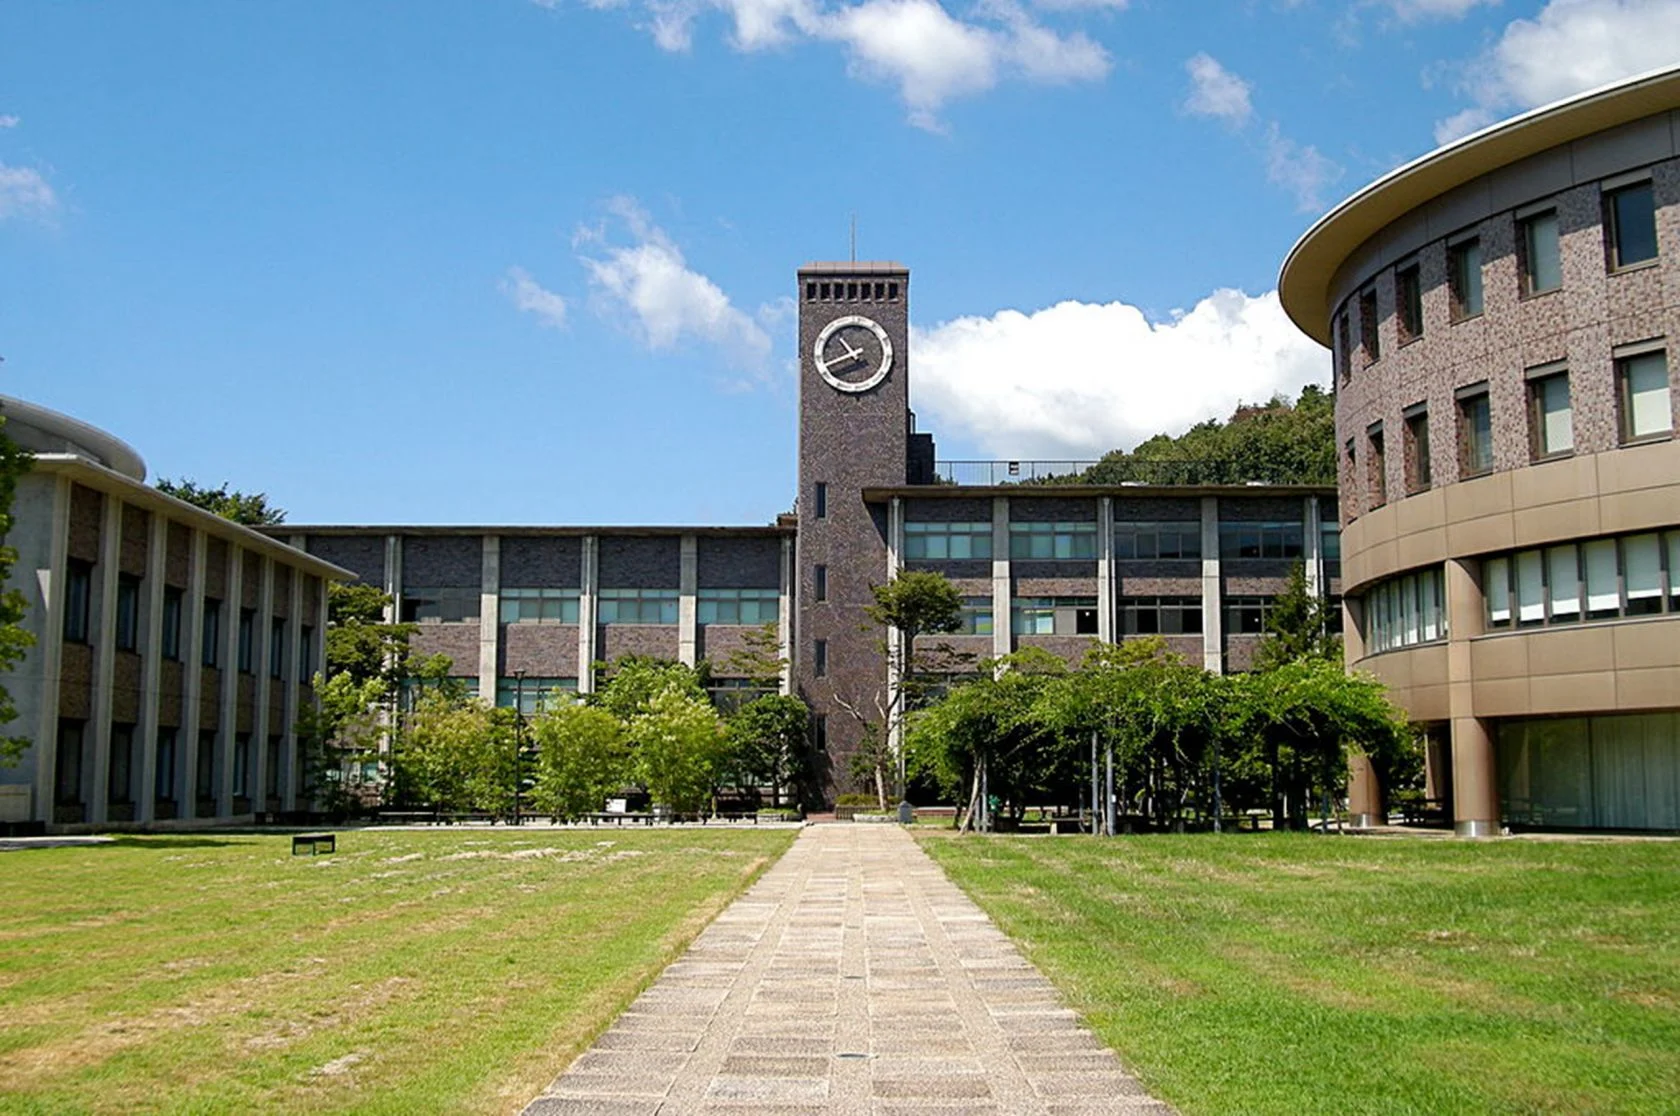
63, 432
1304, 281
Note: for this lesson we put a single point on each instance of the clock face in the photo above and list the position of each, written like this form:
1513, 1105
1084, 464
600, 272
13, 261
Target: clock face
853, 353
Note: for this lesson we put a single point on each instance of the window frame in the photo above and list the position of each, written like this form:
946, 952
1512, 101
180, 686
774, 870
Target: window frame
78, 601
127, 633
1478, 397
1161, 606
1127, 534
1539, 381
513, 601
210, 633
1078, 535
1370, 327
1623, 363
642, 598
1419, 471
921, 536
1528, 253
712, 606
1614, 264
1408, 303
1463, 280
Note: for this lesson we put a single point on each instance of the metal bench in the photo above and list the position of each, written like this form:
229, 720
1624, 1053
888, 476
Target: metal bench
314, 843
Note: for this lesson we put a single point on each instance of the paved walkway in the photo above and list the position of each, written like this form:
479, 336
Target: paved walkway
852, 978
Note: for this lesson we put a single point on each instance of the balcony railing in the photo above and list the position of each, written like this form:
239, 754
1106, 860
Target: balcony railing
1145, 472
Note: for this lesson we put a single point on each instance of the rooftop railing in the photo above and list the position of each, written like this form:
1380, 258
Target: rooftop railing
1128, 471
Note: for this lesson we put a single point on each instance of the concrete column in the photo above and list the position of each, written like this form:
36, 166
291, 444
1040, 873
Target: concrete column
294, 679
489, 617
895, 641
688, 588
393, 578
98, 765
586, 613
1002, 642
1475, 777
51, 649
1105, 569
232, 608
1312, 557
786, 638
192, 682
151, 667
1365, 806
1213, 599
257, 759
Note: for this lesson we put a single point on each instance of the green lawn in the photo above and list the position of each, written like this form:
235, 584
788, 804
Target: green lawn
1290, 973
447, 971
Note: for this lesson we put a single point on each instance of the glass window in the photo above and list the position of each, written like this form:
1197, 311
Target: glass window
1418, 475
1247, 615
821, 578
1053, 541
67, 776
1260, 540
1633, 225
737, 606
820, 658
1405, 611
1531, 588
210, 632
1674, 571
119, 776
638, 606
1496, 586
78, 594
306, 652
246, 646
1377, 461
1053, 616
538, 606
1563, 584
822, 500
242, 765
1604, 598
1408, 303
1368, 336
1161, 616
1344, 343
164, 773
277, 649
532, 695
1158, 540
947, 541
1464, 278
1643, 384
172, 599
1550, 415
128, 612
1542, 267
1642, 565
1475, 426
976, 616
441, 605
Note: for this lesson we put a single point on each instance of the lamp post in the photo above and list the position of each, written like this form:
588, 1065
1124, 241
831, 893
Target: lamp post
518, 736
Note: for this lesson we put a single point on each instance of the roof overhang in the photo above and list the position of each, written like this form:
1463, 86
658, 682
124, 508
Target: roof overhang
1087, 491
1304, 285
434, 530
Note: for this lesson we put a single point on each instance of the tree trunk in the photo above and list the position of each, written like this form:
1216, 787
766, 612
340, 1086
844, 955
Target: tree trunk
967, 818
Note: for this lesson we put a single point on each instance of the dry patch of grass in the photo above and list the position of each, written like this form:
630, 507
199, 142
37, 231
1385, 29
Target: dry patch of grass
1284, 973
410, 972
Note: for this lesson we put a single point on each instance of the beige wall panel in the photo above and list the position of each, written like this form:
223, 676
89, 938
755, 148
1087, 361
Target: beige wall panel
1657, 688
1479, 536
1420, 512
1647, 643
1571, 693
1424, 548
1550, 522
1477, 498
1500, 697
1569, 650
1503, 656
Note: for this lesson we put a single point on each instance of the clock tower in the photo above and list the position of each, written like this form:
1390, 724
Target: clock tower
854, 433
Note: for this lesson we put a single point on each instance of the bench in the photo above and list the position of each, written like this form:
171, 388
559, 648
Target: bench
314, 842
618, 817
732, 816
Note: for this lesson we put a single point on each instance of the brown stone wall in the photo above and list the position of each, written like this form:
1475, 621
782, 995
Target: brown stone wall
458, 641
1038, 509
169, 693
1039, 583
1261, 509
209, 698
216, 574
718, 641
136, 540
364, 555
250, 585
646, 562
1239, 652
964, 509
1072, 649
1157, 583
618, 640
956, 652
443, 561
542, 562
177, 565
738, 563
282, 601
75, 686
245, 712
1157, 509
125, 688
312, 604
541, 650
87, 508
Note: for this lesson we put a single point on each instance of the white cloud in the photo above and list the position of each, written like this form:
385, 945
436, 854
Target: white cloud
24, 193
929, 55
1300, 169
7, 120
1569, 47
1415, 11
1078, 379
531, 297
1216, 91
647, 284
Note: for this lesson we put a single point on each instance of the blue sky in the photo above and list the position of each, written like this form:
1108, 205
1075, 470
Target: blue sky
506, 261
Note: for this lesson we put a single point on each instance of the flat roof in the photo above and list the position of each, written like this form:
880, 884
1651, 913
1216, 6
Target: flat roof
281, 530
854, 267
1311, 266
1086, 491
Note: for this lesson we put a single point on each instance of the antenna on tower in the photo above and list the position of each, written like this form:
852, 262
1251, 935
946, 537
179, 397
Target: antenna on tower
854, 238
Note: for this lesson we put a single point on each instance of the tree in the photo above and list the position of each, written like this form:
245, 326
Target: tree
913, 603
359, 641
1298, 626
458, 755
680, 746
770, 743
635, 680
583, 756
15, 640
252, 509
1277, 442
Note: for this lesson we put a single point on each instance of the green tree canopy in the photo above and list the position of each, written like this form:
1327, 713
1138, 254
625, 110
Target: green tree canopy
1298, 626
583, 756
770, 744
1277, 442
680, 746
15, 639
250, 508
634, 680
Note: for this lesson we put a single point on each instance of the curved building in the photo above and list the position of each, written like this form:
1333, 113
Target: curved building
1504, 319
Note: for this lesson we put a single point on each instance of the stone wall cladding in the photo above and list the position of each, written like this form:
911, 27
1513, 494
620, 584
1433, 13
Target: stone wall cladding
216, 572
87, 508
250, 585
1057, 509
614, 641
458, 641
718, 641
738, 563
541, 562
282, 599
177, 563
955, 652
363, 555
75, 681
312, 601
1048, 585
1188, 647
956, 510
630, 562
1261, 509
1239, 652
1240, 583
541, 650
125, 688
1185, 586
1160, 569
1157, 509
1592, 313
443, 561
1070, 649
136, 540
244, 714
209, 698
967, 570
169, 693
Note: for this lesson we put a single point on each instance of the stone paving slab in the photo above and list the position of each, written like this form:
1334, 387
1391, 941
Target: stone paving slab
853, 977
